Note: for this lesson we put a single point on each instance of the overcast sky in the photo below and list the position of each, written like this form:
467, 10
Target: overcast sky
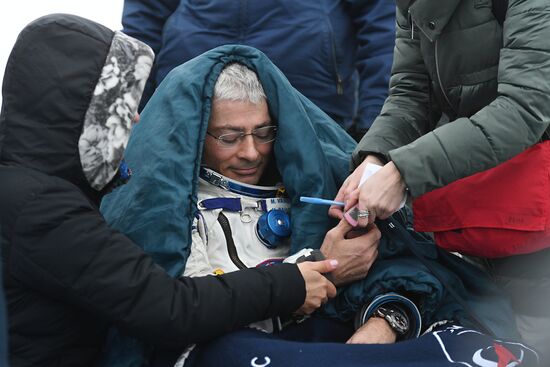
16, 14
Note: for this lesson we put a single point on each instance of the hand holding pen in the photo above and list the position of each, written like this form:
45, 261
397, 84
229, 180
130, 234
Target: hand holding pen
351, 215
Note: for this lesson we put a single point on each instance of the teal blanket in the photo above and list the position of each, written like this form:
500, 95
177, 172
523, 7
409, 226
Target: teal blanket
156, 208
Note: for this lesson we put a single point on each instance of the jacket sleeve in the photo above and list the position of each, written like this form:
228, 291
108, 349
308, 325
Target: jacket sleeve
374, 21
405, 114
515, 120
64, 249
145, 20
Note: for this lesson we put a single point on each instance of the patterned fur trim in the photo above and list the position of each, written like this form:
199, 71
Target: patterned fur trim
114, 104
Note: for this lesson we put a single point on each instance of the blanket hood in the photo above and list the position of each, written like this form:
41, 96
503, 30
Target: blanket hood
156, 208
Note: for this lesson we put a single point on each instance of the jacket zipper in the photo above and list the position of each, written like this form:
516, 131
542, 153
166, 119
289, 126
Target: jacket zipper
441, 86
339, 82
409, 16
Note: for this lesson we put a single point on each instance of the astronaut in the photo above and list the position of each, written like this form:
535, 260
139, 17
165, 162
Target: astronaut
243, 215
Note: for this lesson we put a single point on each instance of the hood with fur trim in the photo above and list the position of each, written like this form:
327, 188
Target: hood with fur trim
71, 89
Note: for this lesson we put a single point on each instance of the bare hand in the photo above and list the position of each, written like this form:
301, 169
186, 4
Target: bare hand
381, 194
349, 186
355, 253
375, 331
318, 288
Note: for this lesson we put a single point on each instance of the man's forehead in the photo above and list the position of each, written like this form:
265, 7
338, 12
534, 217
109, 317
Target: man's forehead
239, 115
239, 127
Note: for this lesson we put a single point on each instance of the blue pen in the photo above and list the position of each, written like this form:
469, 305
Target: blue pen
310, 200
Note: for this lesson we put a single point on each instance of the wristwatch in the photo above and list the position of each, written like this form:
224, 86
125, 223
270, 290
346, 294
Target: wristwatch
398, 320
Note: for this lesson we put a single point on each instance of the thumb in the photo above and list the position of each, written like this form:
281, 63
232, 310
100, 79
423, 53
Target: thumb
324, 266
342, 228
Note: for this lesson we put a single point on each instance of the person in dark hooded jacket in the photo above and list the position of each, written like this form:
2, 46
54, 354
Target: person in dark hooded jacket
71, 89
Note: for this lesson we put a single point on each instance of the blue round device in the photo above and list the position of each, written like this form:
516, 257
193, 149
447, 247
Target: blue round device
273, 227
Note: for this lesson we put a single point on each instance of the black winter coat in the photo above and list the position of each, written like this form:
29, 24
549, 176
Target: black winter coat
67, 275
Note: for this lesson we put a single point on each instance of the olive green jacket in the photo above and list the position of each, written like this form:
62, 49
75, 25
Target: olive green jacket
465, 92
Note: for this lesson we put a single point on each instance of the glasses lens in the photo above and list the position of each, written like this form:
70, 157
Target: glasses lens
264, 134
230, 139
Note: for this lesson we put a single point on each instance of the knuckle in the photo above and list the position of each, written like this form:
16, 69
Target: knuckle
331, 235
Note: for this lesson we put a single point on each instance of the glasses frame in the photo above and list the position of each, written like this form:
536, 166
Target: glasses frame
241, 135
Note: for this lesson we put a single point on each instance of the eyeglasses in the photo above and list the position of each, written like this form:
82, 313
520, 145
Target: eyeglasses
261, 135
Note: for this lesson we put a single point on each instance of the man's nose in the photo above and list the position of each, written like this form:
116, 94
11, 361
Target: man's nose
247, 149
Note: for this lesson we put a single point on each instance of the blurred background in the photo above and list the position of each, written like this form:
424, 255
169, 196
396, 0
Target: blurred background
15, 15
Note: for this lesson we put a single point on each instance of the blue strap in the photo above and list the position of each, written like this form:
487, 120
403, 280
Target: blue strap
230, 204
235, 205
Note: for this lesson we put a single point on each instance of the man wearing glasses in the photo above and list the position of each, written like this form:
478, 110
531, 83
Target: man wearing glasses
243, 216
233, 195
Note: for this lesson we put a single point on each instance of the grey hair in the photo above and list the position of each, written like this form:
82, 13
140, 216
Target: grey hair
239, 83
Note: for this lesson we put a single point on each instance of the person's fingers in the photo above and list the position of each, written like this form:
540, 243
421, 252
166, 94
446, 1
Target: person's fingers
372, 216
349, 189
351, 199
369, 239
351, 216
374, 231
335, 211
324, 266
331, 290
342, 228
363, 214
369, 245
365, 251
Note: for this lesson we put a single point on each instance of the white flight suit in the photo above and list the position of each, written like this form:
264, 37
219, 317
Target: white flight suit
209, 249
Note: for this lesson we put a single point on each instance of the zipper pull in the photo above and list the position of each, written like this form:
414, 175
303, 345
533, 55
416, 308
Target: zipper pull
339, 85
409, 16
